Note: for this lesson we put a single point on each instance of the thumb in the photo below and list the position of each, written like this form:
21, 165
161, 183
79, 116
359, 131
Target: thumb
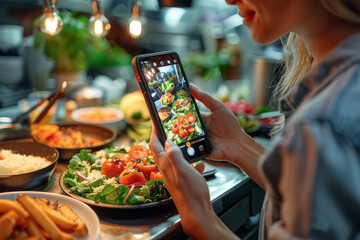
210, 102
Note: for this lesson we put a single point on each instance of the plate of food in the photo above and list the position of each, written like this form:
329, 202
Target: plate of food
123, 178
168, 86
48, 214
25, 164
181, 94
70, 138
164, 113
167, 99
182, 104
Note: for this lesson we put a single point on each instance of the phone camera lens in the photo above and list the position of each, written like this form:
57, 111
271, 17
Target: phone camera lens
161, 63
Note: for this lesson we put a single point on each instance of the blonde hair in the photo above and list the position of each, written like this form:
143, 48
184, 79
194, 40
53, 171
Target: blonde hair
298, 59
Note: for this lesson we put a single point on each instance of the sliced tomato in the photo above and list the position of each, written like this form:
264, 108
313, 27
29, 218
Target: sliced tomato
269, 121
181, 119
190, 118
112, 168
175, 129
123, 156
191, 129
138, 152
146, 168
155, 175
132, 178
185, 125
183, 133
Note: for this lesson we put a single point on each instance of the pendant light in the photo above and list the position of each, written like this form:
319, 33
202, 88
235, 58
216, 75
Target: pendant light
50, 21
136, 23
99, 25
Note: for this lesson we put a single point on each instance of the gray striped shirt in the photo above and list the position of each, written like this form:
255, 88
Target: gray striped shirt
313, 169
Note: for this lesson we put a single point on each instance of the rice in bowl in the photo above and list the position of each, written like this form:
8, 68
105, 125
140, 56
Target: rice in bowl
13, 163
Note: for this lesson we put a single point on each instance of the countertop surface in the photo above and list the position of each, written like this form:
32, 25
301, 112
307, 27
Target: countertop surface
156, 222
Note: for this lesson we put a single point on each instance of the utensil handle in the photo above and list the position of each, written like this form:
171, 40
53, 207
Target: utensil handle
52, 100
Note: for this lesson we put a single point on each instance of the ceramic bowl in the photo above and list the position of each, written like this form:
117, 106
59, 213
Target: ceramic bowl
111, 118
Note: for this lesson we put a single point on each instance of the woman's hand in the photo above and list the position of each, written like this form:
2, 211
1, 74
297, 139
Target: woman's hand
189, 192
229, 141
223, 127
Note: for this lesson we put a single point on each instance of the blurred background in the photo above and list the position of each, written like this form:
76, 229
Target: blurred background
217, 53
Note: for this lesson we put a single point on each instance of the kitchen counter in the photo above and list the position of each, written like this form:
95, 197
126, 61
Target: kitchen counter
234, 195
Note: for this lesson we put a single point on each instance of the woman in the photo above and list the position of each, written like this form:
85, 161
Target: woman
312, 174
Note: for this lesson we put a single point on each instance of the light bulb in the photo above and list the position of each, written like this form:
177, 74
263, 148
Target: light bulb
51, 23
99, 25
135, 27
136, 23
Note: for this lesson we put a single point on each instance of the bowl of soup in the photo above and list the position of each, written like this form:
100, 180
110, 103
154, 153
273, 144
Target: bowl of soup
111, 118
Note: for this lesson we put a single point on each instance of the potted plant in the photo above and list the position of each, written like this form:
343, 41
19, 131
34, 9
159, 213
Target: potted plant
109, 60
71, 48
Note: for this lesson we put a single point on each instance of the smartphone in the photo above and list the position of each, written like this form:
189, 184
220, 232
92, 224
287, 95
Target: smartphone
173, 109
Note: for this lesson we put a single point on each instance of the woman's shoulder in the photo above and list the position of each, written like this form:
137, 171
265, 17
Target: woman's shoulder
337, 102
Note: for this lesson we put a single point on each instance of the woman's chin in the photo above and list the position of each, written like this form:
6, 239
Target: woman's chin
262, 37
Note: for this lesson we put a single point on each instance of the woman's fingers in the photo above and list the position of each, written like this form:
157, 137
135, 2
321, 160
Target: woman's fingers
161, 158
178, 162
210, 102
157, 149
175, 154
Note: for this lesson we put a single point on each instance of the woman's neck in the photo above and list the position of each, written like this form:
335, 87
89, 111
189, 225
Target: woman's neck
328, 33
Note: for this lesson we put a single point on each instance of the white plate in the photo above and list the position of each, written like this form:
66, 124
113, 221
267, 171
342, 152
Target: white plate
82, 210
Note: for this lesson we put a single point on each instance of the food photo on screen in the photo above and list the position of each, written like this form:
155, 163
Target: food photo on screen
175, 107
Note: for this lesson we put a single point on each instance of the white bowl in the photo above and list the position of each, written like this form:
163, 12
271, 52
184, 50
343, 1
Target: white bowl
105, 116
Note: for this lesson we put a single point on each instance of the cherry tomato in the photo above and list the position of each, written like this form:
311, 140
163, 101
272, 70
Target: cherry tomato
200, 166
112, 168
183, 133
269, 121
175, 128
181, 119
155, 175
191, 129
132, 178
190, 118
124, 157
138, 152
185, 125
145, 168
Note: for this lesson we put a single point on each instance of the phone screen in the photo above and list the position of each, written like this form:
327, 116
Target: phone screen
176, 109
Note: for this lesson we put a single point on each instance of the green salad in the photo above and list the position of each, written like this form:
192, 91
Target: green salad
116, 176
168, 85
181, 94
182, 104
183, 127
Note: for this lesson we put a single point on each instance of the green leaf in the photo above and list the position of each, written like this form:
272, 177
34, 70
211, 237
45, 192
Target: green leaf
85, 155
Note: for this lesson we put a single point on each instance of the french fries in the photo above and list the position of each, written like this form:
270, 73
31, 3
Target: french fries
32, 218
7, 205
81, 229
42, 218
7, 223
60, 220
34, 230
